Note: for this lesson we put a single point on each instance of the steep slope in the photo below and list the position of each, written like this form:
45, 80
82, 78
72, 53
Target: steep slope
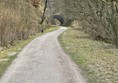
19, 19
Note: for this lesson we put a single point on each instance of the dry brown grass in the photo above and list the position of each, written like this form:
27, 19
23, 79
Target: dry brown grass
19, 19
9, 25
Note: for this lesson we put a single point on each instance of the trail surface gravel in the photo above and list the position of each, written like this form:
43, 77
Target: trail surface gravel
43, 61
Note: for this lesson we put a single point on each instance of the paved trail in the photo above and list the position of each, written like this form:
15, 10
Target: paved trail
43, 61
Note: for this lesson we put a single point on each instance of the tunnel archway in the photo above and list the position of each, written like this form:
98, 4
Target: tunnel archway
59, 18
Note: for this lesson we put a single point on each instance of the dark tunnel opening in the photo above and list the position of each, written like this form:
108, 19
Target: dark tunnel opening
59, 18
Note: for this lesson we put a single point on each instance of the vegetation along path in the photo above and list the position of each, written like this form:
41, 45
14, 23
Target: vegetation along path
43, 61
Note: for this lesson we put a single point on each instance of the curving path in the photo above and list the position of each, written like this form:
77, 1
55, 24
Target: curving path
43, 61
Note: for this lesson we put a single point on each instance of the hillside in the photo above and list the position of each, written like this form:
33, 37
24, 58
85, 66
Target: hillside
19, 19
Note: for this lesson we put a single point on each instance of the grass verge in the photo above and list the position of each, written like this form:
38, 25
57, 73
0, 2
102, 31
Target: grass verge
9, 54
98, 60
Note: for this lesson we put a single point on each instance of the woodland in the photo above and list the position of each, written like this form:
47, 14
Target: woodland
21, 18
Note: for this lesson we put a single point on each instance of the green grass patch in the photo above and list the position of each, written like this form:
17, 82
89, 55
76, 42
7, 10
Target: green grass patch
9, 54
98, 60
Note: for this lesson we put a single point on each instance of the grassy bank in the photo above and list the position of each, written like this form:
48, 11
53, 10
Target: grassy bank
98, 60
9, 54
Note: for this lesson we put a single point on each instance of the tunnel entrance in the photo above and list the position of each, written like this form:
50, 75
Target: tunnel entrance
57, 20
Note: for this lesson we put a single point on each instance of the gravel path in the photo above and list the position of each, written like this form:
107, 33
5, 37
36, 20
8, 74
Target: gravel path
43, 61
